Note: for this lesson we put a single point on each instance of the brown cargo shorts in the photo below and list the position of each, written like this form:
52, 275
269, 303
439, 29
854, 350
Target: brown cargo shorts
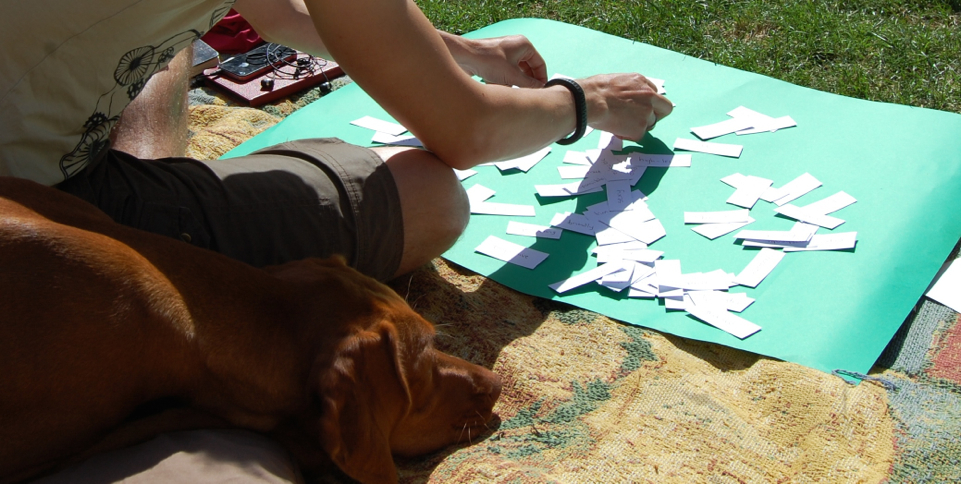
304, 198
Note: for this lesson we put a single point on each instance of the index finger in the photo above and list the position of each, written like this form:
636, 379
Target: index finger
537, 64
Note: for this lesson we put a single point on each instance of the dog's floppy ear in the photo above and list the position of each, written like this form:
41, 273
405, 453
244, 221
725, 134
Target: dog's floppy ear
362, 395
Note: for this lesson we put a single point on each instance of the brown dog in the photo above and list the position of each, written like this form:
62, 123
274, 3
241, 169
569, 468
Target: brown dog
97, 319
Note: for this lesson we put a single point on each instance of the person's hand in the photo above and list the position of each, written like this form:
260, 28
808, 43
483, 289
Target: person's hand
626, 105
510, 61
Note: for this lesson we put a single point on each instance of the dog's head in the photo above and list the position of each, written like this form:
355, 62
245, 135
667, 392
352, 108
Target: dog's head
388, 391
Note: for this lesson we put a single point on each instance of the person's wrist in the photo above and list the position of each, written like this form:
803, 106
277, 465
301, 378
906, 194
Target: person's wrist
580, 108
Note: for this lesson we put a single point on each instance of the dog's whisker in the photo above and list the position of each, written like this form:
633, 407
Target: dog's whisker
482, 420
409, 281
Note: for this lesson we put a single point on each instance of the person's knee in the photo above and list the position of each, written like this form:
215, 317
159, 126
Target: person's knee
437, 200
459, 208
434, 204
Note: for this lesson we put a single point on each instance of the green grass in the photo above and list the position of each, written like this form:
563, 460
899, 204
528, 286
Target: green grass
899, 51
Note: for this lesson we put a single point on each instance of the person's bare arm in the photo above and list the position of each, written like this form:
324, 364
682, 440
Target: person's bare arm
509, 60
393, 52
284, 22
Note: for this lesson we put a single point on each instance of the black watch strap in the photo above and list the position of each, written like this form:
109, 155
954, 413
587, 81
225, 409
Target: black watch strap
580, 107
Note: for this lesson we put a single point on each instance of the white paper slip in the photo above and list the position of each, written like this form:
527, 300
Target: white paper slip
599, 217
659, 83
590, 184
639, 200
614, 286
708, 299
464, 174
586, 277
760, 266
401, 140
614, 252
604, 170
668, 267
523, 163
800, 232
577, 158
619, 195
830, 204
738, 301
607, 236
563, 190
725, 301
642, 255
724, 127
593, 155
791, 190
637, 293
675, 303
375, 124
735, 180
569, 172
804, 215
667, 292
647, 232
762, 122
771, 126
629, 219
947, 288
633, 245
641, 272
636, 174
716, 280
723, 217
586, 186
623, 276
838, 241
647, 285
732, 151
743, 112
599, 211
479, 193
713, 231
749, 191
770, 244
574, 222
510, 252
610, 142
644, 160
396, 140
530, 230
669, 283
494, 208
724, 321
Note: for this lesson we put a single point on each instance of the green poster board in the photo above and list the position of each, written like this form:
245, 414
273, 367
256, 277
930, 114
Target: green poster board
827, 310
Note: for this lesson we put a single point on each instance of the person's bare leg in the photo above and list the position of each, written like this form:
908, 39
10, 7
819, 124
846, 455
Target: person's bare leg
154, 124
433, 203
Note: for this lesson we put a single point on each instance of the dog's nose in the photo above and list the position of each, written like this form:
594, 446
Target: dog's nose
488, 384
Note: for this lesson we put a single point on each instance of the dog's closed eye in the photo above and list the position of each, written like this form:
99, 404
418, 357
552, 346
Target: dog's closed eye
394, 393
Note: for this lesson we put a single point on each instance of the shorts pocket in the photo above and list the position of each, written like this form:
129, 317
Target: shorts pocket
173, 221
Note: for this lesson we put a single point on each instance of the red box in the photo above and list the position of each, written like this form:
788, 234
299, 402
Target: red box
285, 83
